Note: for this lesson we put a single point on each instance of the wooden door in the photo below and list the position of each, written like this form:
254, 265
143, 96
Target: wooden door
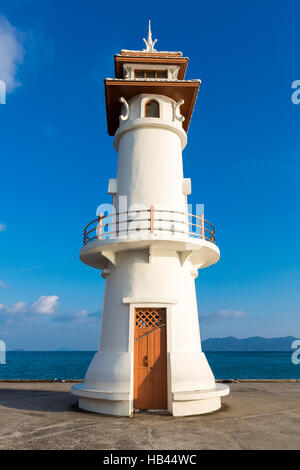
150, 359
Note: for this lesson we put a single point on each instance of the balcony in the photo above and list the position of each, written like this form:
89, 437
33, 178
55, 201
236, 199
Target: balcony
191, 236
132, 225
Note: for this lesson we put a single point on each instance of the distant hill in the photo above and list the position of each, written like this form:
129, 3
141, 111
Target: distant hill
255, 343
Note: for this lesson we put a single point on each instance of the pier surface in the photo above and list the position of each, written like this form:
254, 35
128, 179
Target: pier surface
256, 415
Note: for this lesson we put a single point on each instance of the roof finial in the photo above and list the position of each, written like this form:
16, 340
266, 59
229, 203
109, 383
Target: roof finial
149, 43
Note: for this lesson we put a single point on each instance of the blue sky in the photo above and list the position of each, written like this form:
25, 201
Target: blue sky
56, 158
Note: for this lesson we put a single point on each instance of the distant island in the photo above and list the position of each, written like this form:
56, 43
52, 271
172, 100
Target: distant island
255, 343
229, 343
65, 350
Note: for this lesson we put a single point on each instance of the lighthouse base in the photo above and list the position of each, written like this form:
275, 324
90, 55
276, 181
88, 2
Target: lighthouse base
199, 401
197, 407
117, 408
183, 403
108, 385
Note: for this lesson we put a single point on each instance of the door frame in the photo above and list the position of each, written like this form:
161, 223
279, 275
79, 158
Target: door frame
148, 303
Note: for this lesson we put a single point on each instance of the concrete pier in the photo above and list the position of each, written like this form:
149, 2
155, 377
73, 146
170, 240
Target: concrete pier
256, 415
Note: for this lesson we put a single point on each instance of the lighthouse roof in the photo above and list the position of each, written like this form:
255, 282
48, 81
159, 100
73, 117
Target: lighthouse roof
149, 71
135, 57
175, 89
150, 55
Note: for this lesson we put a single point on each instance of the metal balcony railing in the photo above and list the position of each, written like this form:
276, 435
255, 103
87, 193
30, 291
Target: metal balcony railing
125, 224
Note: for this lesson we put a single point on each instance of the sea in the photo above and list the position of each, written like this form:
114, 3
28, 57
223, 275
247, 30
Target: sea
62, 365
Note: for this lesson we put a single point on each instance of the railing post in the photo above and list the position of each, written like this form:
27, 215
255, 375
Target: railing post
151, 218
202, 226
99, 227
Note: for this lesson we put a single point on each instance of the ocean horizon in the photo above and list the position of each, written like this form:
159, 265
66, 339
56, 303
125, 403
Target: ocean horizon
60, 365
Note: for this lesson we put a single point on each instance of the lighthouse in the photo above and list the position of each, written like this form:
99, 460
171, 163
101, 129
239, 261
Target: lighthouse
149, 247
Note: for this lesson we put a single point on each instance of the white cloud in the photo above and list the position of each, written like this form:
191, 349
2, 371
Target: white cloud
11, 54
22, 311
80, 316
232, 313
45, 305
223, 314
18, 307
2, 284
3, 227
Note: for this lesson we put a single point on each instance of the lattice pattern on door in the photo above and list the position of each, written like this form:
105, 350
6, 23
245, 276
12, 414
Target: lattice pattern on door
150, 317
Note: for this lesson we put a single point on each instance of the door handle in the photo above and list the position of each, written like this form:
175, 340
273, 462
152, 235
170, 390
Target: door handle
145, 361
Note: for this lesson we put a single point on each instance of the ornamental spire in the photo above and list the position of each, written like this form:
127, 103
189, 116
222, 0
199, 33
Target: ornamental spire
149, 43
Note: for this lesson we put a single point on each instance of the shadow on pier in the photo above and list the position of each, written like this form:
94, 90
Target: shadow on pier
38, 398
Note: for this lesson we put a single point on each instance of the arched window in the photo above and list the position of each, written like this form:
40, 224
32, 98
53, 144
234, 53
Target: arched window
152, 109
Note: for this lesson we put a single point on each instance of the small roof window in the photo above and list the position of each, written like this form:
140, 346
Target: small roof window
150, 73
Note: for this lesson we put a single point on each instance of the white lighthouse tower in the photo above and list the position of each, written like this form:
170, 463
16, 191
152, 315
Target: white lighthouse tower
149, 248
